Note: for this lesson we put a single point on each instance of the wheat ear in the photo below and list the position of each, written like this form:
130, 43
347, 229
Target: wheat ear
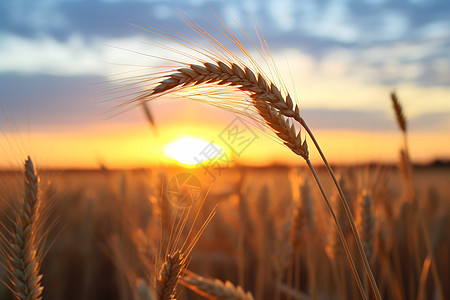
169, 274
399, 115
221, 73
216, 289
285, 131
367, 223
24, 260
266, 98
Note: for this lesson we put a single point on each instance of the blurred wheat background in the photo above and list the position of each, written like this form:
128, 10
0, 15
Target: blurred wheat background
271, 234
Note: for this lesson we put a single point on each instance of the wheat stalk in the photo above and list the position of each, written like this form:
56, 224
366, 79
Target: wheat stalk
405, 165
169, 274
332, 248
406, 168
302, 238
265, 236
216, 289
303, 219
366, 223
22, 252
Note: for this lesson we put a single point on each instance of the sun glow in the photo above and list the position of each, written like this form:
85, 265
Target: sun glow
192, 151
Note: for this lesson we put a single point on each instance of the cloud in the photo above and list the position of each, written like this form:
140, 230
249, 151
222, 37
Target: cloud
75, 56
282, 13
57, 103
46, 55
333, 23
372, 121
394, 26
26, 18
41, 100
435, 30
340, 80
431, 122
358, 120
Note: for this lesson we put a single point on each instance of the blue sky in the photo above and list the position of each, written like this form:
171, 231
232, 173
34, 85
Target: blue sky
344, 57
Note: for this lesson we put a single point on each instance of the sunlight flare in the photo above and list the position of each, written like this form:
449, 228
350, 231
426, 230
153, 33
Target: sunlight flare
192, 151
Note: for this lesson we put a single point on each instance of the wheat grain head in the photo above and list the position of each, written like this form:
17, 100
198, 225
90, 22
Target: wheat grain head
216, 289
399, 115
22, 249
367, 223
170, 272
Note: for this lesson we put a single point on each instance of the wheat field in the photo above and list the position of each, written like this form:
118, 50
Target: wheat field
107, 243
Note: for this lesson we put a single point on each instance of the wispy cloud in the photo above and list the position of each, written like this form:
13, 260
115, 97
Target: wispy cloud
74, 56
389, 41
372, 121
46, 55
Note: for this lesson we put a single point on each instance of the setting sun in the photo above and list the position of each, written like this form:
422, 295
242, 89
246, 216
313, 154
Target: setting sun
192, 151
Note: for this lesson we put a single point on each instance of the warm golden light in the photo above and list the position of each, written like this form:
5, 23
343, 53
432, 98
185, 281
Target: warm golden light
192, 151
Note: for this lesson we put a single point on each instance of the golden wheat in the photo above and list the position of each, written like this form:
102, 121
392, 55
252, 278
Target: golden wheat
23, 255
303, 219
216, 289
144, 292
169, 274
266, 97
405, 164
399, 115
367, 223
258, 88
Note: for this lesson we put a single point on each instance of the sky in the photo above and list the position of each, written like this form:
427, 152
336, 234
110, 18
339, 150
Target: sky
341, 58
